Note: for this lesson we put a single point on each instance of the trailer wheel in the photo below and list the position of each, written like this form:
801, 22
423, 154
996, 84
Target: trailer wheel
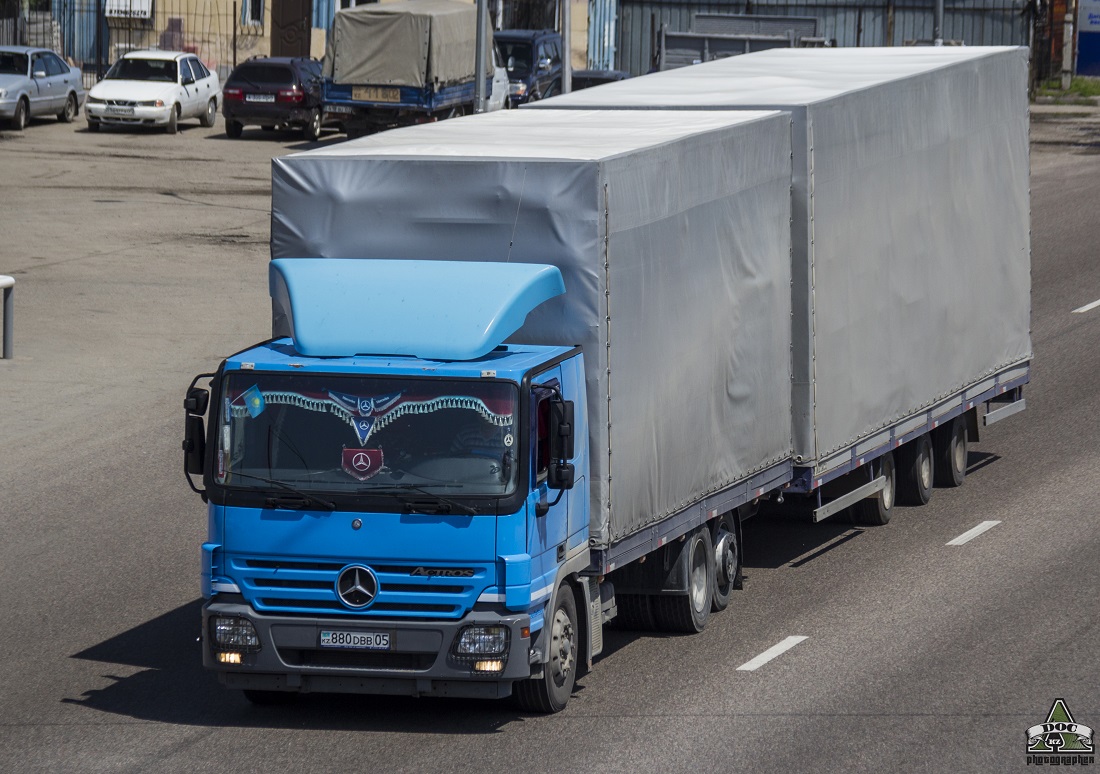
551, 692
727, 560
949, 443
916, 471
689, 612
875, 511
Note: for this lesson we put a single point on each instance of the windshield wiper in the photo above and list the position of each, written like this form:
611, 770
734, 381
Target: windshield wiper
301, 500
399, 489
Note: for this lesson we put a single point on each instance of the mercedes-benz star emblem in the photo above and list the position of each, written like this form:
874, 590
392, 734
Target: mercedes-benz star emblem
357, 586
361, 462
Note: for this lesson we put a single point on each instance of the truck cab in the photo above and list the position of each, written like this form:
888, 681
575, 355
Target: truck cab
395, 508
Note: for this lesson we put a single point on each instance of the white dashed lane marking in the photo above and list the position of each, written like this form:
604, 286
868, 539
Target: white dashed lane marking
772, 652
970, 534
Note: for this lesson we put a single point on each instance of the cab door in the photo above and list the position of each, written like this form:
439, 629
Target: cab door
547, 534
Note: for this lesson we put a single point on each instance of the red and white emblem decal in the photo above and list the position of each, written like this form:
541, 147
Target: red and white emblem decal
362, 463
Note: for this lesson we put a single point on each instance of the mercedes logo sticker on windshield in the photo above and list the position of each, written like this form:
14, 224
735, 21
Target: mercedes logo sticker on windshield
362, 463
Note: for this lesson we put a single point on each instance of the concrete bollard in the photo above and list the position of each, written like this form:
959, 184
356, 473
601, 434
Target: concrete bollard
8, 285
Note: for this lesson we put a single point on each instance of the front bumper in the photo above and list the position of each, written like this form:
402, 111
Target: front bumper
7, 107
419, 663
141, 116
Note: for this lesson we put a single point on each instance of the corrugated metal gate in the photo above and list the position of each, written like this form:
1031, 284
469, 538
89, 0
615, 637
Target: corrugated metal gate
847, 23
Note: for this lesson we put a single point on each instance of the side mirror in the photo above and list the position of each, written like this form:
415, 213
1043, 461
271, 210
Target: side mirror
39, 73
194, 445
196, 401
544, 65
561, 430
561, 473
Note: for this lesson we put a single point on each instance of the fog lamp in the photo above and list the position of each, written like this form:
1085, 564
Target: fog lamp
482, 641
493, 665
229, 657
234, 633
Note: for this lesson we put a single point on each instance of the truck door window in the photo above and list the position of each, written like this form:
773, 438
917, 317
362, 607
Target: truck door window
542, 439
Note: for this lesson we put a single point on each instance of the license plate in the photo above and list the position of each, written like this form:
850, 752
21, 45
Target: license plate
259, 97
376, 94
120, 111
355, 640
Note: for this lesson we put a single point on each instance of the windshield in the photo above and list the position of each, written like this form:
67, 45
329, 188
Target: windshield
142, 70
517, 58
12, 63
347, 435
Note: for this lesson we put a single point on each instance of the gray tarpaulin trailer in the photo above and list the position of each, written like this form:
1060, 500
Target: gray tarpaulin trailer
672, 235
910, 240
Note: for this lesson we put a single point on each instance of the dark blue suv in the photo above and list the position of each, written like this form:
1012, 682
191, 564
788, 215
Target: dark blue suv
533, 61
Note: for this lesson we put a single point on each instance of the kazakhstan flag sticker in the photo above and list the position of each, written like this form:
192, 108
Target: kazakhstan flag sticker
253, 401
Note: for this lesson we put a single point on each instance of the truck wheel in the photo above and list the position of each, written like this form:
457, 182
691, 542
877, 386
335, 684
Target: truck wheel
268, 698
551, 692
727, 560
635, 612
875, 511
689, 612
949, 443
916, 471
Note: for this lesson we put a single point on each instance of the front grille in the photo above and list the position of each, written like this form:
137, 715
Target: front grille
409, 662
122, 102
298, 587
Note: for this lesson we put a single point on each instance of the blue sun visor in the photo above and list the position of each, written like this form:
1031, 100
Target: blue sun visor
435, 310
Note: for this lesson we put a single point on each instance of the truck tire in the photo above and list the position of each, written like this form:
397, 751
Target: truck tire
688, 613
727, 560
950, 447
916, 471
550, 693
635, 613
875, 511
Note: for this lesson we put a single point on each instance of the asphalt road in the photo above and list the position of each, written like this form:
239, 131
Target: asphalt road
140, 260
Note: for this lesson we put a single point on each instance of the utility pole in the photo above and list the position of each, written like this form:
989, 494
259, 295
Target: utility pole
566, 43
480, 45
1067, 45
937, 25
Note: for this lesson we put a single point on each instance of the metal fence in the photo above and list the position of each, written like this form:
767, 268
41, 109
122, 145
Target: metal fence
845, 23
92, 34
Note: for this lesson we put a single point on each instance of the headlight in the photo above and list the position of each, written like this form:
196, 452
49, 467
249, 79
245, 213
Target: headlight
234, 633
517, 89
95, 101
152, 103
3, 93
482, 641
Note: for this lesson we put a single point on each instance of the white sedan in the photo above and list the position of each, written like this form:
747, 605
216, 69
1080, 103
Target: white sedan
154, 88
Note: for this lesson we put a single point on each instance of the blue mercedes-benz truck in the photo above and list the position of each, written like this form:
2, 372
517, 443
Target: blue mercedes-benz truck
530, 370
